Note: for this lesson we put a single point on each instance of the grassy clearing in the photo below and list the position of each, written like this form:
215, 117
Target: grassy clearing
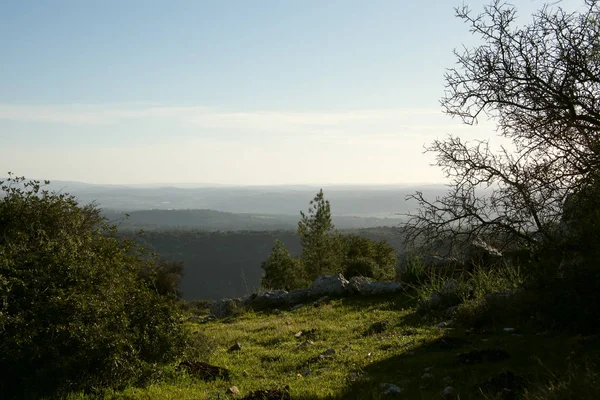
407, 348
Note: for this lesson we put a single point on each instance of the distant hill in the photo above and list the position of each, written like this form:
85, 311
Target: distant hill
363, 201
211, 220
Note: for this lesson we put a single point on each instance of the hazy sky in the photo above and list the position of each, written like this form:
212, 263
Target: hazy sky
237, 92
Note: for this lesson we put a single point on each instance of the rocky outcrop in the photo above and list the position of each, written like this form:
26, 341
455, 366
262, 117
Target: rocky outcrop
368, 287
333, 285
323, 286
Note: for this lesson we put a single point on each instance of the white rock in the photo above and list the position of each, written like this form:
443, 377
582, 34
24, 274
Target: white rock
368, 287
328, 285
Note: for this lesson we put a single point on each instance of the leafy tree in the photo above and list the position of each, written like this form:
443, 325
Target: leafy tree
540, 83
321, 246
164, 276
282, 270
75, 311
369, 258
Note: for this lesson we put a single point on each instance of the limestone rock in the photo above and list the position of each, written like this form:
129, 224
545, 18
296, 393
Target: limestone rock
368, 287
328, 285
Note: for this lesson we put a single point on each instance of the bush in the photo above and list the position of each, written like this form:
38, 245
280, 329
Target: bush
369, 258
282, 270
164, 277
439, 289
367, 267
75, 312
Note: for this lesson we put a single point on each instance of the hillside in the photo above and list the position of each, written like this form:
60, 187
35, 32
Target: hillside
339, 355
382, 201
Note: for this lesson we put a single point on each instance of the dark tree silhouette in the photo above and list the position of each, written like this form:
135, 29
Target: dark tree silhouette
540, 84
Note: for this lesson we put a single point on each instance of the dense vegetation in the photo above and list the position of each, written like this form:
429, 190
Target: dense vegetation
326, 252
228, 264
214, 221
79, 308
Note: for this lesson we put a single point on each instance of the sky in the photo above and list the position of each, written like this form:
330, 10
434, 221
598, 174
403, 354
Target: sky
245, 92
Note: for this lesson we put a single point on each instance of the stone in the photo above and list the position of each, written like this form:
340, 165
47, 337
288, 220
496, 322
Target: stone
427, 375
448, 393
298, 296
447, 379
270, 299
329, 352
389, 389
368, 287
297, 306
328, 285
233, 390
235, 347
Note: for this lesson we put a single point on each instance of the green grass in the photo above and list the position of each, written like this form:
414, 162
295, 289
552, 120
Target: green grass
272, 357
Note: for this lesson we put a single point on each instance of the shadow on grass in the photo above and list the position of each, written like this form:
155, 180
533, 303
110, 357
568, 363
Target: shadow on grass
477, 366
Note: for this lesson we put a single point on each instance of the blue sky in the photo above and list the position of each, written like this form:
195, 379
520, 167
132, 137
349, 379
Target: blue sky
237, 92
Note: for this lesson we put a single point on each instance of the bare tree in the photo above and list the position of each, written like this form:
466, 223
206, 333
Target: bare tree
540, 84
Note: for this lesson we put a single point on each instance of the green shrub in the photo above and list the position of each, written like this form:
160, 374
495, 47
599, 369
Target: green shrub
495, 279
414, 272
282, 270
75, 313
367, 267
369, 258
438, 289
361, 266
164, 276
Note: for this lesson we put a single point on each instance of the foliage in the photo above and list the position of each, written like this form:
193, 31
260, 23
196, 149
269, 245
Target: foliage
362, 266
326, 251
413, 271
321, 252
164, 276
366, 257
282, 270
438, 288
540, 84
74, 310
